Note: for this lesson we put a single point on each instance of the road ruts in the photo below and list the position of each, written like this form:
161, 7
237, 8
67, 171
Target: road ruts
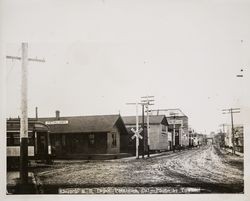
204, 168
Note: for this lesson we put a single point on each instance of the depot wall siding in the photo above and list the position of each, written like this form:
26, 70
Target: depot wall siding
78, 143
111, 149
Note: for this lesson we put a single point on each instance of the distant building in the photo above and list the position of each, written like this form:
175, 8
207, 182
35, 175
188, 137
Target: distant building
159, 137
201, 139
219, 139
196, 139
80, 137
238, 137
178, 122
209, 140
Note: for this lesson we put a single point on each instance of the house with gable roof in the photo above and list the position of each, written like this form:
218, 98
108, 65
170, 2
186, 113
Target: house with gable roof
87, 137
159, 137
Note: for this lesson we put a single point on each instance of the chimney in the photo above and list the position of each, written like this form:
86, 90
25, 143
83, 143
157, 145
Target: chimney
57, 114
36, 113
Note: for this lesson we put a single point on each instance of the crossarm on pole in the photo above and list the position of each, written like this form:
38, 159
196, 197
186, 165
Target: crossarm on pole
29, 59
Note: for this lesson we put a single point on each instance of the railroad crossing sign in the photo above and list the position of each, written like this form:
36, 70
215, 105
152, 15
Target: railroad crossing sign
136, 133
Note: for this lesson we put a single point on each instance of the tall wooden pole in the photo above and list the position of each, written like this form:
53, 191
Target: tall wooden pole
147, 100
24, 118
148, 132
173, 136
231, 111
24, 112
143, 133
137, 129
232, 121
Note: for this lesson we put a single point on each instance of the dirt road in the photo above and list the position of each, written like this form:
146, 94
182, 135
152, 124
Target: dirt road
206, 168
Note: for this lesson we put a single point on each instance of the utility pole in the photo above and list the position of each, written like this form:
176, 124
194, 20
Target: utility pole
24, 113
148, 101
223, 134
231, 111
24, 117
143, 132
137, 131
173, 135
223, 127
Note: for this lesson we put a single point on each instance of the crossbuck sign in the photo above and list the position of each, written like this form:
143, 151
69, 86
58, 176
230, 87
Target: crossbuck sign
136, 133
137, 136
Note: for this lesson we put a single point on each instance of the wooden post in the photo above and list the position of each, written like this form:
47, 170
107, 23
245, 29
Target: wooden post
35, 144
24, 113
24, 118
232, 121
137, 129
148, 132
147, 100
231, 111
173, 136
143, 133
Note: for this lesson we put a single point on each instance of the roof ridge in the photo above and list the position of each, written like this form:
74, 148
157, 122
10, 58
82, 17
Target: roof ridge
99, 115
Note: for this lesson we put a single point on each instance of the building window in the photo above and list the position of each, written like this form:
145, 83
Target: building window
16, 141
13, 139
163, 128
113, 135
10, 141
91, 139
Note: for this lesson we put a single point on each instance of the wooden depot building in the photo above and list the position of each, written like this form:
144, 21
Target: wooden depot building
87, 137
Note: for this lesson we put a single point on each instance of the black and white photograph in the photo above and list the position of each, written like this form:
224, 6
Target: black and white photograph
136, 97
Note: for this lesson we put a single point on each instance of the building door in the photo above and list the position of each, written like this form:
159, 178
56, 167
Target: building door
177, 141
170, 146
42, 146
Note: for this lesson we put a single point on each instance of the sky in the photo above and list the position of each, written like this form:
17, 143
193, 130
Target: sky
102, 54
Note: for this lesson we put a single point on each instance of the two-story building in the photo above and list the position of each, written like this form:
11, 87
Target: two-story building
178, 126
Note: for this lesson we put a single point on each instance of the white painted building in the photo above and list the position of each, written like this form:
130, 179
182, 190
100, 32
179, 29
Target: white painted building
178, 123
159, 137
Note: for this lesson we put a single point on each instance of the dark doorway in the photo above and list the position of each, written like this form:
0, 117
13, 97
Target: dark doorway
177, 141
42, 148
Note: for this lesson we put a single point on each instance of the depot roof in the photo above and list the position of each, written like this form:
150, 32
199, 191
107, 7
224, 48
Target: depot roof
83, 124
